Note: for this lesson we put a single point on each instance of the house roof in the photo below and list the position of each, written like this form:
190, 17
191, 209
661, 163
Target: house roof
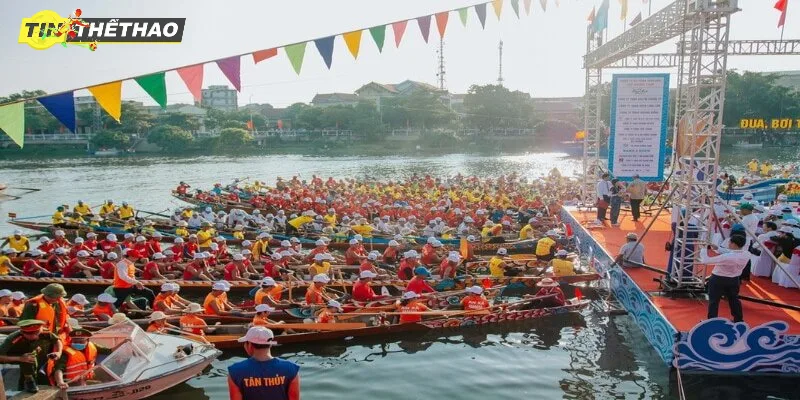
387, 87
334, 98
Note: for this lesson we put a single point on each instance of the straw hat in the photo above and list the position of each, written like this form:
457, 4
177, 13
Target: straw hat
157, 316
117, 318
193, 308
547, 282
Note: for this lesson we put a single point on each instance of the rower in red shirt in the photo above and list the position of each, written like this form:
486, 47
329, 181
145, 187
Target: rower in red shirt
33, 267
321, 248
362, 291
177, 249
107, 268
417, 284
449, 265
391, 255
45, 245
410, 261
355, 253
91, 241
429, 256
271, 268
60, 240
152, 269
549, 286
154, 244
474, 299
79, 245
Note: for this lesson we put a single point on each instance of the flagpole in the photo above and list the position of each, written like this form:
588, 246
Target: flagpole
783, 27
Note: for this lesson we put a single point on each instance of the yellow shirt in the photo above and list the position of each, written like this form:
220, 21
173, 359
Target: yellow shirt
126, 212
315, 268
76, 219
300, 221
3, 267
182, 232
752, 166
187, 213
107, 209
58, 218
204, 238
544, 245
563, 267
525, 232
363, 230
329, 219
766, 169
82, 209
494, 267
238, 235
19, 245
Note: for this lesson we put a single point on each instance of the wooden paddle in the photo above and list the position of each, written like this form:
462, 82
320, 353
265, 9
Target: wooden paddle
339, 326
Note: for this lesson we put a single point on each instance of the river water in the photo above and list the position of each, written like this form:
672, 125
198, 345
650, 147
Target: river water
587, 355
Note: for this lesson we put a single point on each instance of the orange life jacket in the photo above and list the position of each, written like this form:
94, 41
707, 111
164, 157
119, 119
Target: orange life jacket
119, 283
161, 297
106, 309
78, 362
210, 298
54, 323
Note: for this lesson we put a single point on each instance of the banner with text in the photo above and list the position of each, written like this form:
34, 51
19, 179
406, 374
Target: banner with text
637, 145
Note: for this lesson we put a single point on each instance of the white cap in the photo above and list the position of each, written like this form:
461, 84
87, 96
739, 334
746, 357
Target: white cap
319, 257
214, 246
199, 256
238, 257
35, 253
393, 243
358, 237
128, 236
178, 240
353, 241
112, 256
59, 233
335, 304
141, 239
454, 257
263, 235
98, 253
61, 251
319, 242
437, 244
246, 252
372, 256
158, 256
168, 252
10, 250
78, 240
166, 287
156, 235
264, 308
258, 335
294, 240
18, 232
156, 316
551, 233
247, 243
220, 286
410, 295
5, 293
80, 299
82, 253
561, 252
44, 239
468, 219
431, 240
18, 296
91, 235
502, 251
412, 254
276, 256
285, 243
475, 289
106, 298
321, 278
112, 237
268, 281
367, 274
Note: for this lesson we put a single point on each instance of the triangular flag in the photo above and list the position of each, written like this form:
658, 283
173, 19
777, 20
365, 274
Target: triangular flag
424, 26
378, 34
296, 52
262, 55
193, 78
480, 9
590, 17
601, 18
62, 106
463, 13
527, 4
543, 4
498, 7
515, 7
781, 6
230, 67
325, 48
353, 42
155, 86
109, 96
441, 22
636, 19
12, 122
398, 28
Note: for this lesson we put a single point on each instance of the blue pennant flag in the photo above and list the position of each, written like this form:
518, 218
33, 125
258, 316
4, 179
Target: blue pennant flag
62, 106
325, 48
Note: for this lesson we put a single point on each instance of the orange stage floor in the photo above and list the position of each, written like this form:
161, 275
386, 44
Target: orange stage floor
684, 314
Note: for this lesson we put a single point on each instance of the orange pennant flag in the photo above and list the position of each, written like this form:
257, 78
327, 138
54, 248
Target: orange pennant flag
353, 41
441, 22
262, 55
193, 78
498, 7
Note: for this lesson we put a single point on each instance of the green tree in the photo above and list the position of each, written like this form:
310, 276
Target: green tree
189, 122
758, 95
492, 106
134, 119
170, 138
111, 139
234, 137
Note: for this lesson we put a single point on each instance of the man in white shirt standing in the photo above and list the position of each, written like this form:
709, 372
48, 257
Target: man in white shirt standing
749, 220
603, 198
724, 280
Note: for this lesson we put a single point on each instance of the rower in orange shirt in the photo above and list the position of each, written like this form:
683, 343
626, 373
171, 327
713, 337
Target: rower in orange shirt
104, 308
315, 294
262, 315
474, 299
449, 265
327, 315
410, 303
215, 302
191, 322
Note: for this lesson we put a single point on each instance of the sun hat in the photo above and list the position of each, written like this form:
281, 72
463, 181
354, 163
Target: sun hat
5, 293
18, 296
193, 308
220, 286
54, 290
475, 289
157, 316
367, 274
335, 304
117, 318
321, 278
258, 335
268, 281
410, 295
502, 251
106, 298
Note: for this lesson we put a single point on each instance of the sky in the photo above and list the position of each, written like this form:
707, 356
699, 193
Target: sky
542, 53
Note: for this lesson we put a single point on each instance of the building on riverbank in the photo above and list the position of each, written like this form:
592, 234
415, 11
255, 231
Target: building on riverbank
220, 97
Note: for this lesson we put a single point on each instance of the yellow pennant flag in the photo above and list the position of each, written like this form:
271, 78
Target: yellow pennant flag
109, 96
353, 41
624, 13
498, 7
12, 122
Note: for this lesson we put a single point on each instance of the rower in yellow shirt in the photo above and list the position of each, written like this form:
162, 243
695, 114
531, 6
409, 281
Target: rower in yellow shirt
293, 225
330, 218
187, 213
126, 211
363, 228
82, 208
766, 168
545, 247
58, 217
561, 265
238, 232
752, 166
76, 219
319, 266
107, 208
205, 234
17, 241
527, 231
181, 229
497, 266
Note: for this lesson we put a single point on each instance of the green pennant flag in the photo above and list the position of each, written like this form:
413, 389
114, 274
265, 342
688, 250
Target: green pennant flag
296, 52
462, 13
12, 122
378, 34
155, 86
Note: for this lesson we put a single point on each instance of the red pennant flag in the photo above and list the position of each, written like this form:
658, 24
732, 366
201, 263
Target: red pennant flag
262, 55
578, 293
781, 6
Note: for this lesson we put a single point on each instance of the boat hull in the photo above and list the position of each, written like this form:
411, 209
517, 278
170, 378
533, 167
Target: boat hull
764, 191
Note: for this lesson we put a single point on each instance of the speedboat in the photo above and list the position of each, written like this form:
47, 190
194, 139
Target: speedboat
141, 365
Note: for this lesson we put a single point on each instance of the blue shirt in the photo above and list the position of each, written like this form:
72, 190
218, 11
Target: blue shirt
259, 380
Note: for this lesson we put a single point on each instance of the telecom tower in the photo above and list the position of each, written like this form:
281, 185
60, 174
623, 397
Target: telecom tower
500, 69
440, 70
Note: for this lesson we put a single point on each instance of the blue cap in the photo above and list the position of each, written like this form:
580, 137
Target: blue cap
737, 227
421, 271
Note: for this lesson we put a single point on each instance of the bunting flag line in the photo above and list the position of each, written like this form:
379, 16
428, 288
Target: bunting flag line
109, 96
624, 9
424, 23
262, 55
378, 34
480, 9
325, 48
441, 22
155, 86
636, 19
463, 13
543, 3
527, 4
601, 18
353, 42
193, 78
781, 6
296, 52
590, 17
230, 67
12, 122
398, 28
515, 7
62, 107
498, 7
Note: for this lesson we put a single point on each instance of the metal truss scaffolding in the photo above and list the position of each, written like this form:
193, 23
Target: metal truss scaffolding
591, 119
735, 48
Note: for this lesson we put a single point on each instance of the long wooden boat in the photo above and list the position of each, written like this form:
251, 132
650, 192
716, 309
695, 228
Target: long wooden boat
226, 206
230, 340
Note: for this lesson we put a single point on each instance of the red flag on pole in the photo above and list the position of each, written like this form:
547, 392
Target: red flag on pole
250, 124
590, 18
781, 6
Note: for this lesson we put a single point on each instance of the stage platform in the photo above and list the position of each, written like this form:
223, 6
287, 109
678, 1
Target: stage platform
677, 327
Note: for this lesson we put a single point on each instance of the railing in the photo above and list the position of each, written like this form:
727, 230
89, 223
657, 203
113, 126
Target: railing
49, 138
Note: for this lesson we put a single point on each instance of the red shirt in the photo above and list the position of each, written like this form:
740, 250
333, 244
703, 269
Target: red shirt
153, 246
390, 255
446, 270
475, 303
149, 271
548, 290
92, 244
107, 269
363, 292
366, 265
229, 271
428, 255
70, 271
419, 286
271, 269
28, 268
107, 245
47, 247
190, 248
